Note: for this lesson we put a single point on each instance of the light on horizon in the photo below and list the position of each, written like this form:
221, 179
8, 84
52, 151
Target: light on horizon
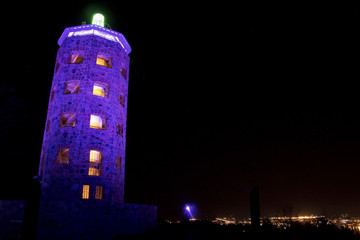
188, 209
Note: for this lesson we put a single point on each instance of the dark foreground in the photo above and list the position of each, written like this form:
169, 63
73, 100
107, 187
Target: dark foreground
207, 230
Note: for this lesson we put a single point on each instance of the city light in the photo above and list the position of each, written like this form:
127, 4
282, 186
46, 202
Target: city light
281, 222
352, 223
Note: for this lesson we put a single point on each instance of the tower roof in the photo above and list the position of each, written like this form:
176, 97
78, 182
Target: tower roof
91, 29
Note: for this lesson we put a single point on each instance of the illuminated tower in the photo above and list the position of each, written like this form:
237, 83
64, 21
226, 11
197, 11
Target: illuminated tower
83, 153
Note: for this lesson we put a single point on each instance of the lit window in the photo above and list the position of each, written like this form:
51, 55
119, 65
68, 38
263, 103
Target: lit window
103, 60
99, 192
118, 162
71, 87
122, 100
120, 130
67, 120
97, 122
123, 73
86, 192
63, 155
76, 57
95, 163
101, 90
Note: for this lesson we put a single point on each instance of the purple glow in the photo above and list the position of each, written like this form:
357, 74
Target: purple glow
96, 30
188, 209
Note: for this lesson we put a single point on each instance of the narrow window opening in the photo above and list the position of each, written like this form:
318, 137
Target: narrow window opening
57, 66
101, 90
42, 163
47, 125
118, 162
97, 122
72, 87
67, 120
99, 192
122, 100
63, 155
52, 96
95, 163
120, 130
104, 60
76, 58
123, 73
85, 191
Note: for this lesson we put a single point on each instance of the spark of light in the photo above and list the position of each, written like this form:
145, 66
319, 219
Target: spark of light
187, 208
98, 19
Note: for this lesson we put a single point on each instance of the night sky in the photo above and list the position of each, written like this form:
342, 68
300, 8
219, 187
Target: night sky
222, 98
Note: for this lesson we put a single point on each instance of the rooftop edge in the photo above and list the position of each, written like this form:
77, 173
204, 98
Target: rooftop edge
91, 29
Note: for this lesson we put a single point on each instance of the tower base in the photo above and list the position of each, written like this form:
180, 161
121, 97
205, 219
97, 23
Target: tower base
93, 220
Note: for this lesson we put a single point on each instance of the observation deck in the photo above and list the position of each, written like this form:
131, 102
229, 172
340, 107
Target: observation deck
92, 29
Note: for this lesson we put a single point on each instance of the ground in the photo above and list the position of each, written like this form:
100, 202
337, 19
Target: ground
208, 230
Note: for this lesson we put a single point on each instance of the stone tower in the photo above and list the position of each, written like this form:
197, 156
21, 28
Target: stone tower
83, 152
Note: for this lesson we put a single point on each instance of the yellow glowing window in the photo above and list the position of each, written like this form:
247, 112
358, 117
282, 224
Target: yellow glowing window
101, 90
99, 192
86, 192
95, 163
67, 120
63, 155
103, 60
97, 122
76, 58
72, 87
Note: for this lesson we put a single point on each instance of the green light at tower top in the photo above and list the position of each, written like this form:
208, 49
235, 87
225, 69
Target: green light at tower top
98, 19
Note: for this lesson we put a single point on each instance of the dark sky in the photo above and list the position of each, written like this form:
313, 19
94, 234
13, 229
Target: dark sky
221, 98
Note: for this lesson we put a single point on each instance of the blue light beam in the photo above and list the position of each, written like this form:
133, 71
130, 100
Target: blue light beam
188, 209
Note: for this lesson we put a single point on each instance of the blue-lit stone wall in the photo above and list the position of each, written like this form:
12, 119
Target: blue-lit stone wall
64, 214
62, 181
94, 220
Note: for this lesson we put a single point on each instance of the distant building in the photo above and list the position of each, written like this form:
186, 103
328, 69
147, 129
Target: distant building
82, 164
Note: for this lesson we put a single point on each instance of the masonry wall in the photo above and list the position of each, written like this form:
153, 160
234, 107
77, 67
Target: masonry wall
67, 211
94, 220
62, 181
